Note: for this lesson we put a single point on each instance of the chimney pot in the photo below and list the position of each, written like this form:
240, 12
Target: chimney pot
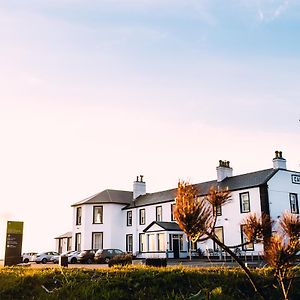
279, 162
223, 170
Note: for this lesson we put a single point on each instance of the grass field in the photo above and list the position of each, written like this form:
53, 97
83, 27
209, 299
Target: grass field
133, 282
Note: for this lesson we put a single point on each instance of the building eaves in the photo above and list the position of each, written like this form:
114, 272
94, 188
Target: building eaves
65, 235
108, 196
233, 183
168, 226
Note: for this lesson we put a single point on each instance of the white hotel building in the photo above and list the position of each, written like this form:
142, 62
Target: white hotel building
143, 223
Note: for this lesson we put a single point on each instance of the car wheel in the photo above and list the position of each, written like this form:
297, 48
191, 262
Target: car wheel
73, 260
89, 261
44, 260
106, 260
26, 260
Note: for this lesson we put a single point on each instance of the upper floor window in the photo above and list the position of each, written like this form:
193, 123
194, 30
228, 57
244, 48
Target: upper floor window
158, 213
247, 246
245, 202
294, 203
98, 215
78, 215
129, 218
142, 216
172, 211
218, 210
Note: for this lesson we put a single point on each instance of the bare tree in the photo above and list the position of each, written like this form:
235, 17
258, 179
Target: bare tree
197, 217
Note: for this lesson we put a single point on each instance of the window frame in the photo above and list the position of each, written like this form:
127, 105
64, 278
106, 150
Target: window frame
241, 203
172, 211
296, 211
93, 239
248, 247
142, 221
156, 210
77, 234
128, 244
142, 242
129, 217
78, 216
216, 246
94, 215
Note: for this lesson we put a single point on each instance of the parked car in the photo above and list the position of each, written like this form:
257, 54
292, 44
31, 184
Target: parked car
28, 256
104, 255
45, 257
72, 257
86, 256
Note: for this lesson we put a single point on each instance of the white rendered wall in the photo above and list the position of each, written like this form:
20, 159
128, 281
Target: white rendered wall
112, 226
232, 218
279, 188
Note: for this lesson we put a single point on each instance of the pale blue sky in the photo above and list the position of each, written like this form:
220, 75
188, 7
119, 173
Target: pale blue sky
93, 93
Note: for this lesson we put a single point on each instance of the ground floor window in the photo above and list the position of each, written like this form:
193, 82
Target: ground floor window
97, 240
129, 242
78, 241
161, 242
142, 244
220, 234
69, 244
151, 242
245, 240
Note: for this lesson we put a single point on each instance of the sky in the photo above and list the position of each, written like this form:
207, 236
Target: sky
96, 92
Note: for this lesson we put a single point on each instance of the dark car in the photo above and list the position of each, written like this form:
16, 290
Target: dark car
104, 255
86, 256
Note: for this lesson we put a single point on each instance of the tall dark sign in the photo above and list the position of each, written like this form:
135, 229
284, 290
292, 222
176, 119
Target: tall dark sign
13, 248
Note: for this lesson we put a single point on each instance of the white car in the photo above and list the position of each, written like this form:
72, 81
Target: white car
72, 257
28, 256
45, 257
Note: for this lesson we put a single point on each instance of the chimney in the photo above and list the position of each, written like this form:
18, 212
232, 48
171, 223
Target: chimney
223, 170
139, 187
278, 161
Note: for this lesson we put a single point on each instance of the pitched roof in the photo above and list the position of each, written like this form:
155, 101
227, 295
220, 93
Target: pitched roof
65, 235
233, 183
168, 226
108, 196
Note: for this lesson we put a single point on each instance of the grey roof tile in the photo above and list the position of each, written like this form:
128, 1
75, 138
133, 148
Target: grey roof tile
238, 182
108, 196
169, 226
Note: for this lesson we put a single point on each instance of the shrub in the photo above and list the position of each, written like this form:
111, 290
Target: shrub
156, 262
123, 260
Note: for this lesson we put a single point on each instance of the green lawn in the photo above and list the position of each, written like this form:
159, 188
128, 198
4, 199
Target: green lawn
133, 282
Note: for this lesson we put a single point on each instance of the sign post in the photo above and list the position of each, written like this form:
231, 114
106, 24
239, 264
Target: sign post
13, 248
